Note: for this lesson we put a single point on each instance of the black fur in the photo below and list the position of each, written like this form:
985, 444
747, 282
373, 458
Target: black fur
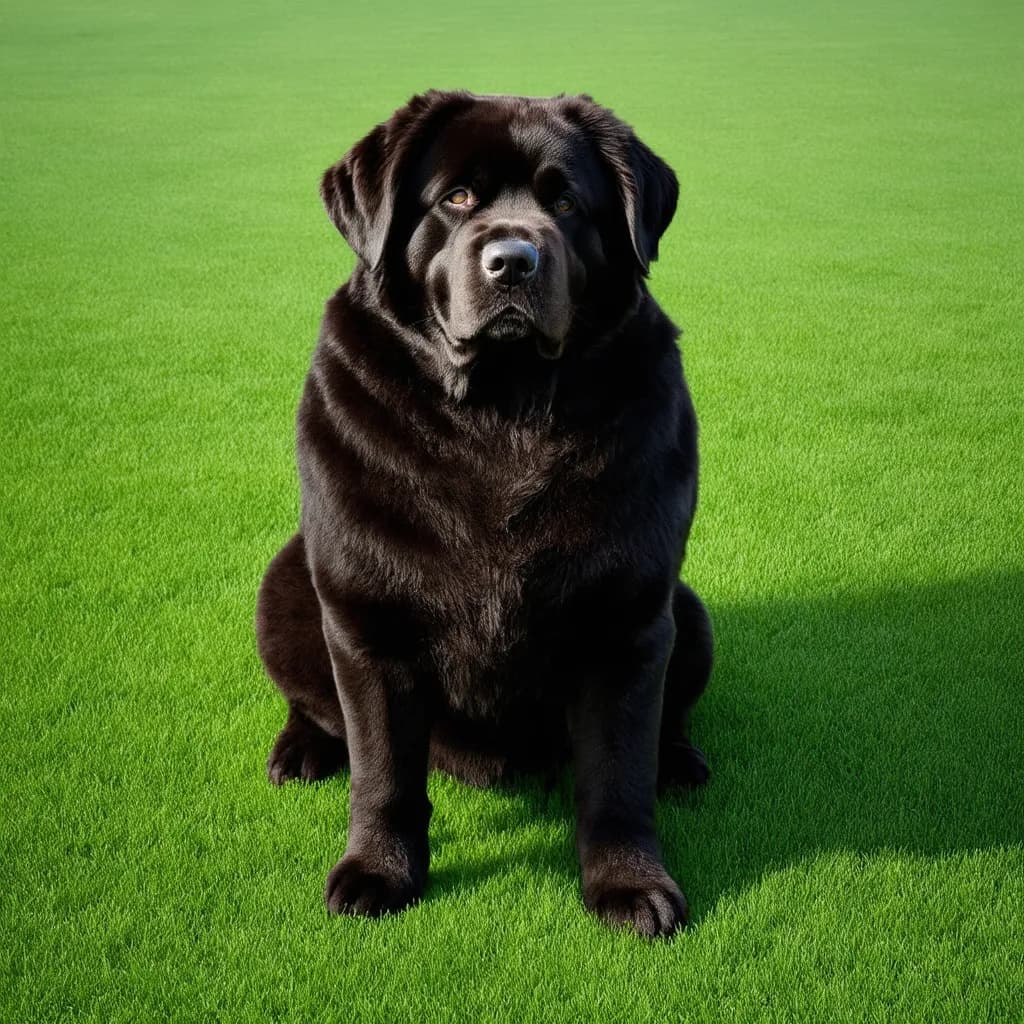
497, 488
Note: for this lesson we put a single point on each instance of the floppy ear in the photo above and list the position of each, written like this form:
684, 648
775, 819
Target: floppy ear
650, 192
647, 185
360, 192
357, 196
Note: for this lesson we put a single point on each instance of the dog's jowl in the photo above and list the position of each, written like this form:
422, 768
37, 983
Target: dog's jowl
498, 461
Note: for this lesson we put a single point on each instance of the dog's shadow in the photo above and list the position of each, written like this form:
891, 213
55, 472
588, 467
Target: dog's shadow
857, 724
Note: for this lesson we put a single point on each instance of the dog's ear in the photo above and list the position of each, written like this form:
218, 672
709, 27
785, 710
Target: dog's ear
650, 192
361, 191
648, 188
357, 195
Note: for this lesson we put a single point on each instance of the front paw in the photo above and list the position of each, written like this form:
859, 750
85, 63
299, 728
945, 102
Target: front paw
355, 886
637, 892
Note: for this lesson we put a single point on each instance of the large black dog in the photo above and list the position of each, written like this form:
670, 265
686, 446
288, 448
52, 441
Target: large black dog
498, 457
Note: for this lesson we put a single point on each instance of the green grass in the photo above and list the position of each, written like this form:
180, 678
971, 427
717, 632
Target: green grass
846, 265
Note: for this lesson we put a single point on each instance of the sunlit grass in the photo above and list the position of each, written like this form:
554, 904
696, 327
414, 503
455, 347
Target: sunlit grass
845, 265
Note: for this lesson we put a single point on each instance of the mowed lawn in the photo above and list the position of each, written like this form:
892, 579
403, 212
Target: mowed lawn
846, 265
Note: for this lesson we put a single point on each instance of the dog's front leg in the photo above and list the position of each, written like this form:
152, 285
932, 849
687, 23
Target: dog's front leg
388, 730
614, 722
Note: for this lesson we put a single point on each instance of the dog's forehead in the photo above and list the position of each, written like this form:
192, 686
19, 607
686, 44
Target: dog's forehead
519, 134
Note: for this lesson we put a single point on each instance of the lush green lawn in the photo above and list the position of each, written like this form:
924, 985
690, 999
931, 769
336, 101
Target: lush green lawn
846, 264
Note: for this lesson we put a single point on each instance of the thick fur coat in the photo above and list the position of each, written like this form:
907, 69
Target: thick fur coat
498, 461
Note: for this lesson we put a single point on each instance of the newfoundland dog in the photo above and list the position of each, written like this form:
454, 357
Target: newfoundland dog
498, 463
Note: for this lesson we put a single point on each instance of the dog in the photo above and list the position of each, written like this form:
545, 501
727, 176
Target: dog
497, 455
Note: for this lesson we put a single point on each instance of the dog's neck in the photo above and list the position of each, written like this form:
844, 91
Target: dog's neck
508, 377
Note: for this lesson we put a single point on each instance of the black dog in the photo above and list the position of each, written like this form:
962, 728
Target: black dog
498, 457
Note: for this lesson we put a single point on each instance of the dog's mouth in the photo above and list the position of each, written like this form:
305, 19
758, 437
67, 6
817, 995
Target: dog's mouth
509, 324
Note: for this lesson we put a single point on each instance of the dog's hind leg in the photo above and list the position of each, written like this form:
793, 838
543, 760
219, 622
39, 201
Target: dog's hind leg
689, 668
291, 643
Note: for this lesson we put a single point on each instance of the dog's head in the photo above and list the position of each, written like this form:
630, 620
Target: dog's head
499, 220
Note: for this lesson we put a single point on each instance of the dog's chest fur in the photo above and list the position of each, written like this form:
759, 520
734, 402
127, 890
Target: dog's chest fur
457, 521
522, 508
509, 511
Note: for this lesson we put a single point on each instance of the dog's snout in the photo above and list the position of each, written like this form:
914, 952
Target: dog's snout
510, 261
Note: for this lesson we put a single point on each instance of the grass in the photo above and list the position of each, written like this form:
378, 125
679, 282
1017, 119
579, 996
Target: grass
846, 265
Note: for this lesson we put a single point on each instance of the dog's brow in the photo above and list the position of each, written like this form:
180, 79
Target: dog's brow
441, 180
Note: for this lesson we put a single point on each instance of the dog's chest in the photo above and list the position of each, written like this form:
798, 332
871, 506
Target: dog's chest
516, 509
507, 475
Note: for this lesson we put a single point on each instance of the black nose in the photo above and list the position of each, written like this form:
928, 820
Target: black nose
510, 261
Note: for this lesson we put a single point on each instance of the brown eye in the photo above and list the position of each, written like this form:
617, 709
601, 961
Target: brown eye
460, 197
565, 203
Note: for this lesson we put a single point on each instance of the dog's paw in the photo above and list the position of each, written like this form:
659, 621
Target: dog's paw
647, 901
354, 887
303, 751
682, 765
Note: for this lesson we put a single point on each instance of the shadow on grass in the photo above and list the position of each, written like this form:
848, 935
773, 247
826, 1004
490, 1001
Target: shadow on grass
889, 721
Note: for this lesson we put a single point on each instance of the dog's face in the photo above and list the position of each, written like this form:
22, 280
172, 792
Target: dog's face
503, 221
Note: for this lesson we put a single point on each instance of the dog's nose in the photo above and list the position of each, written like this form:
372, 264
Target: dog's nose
510, 261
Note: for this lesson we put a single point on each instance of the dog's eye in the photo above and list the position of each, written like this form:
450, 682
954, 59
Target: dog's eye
564, 204
460, 197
